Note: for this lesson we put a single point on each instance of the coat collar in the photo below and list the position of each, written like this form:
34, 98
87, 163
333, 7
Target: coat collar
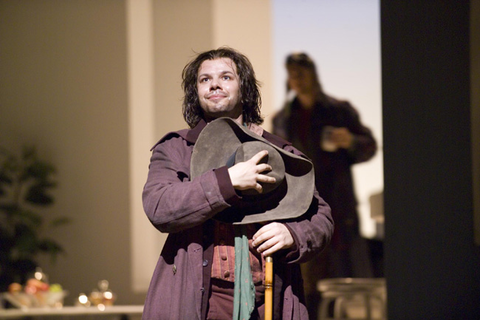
191, 135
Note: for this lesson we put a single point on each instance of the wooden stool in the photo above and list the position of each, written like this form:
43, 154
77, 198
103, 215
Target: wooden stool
342, 292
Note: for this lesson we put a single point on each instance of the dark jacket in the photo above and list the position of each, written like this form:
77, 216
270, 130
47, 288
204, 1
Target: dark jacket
183, 208
333, 175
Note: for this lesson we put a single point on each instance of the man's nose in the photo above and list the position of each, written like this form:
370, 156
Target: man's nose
214, 84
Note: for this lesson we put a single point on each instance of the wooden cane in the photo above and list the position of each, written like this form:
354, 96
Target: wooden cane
268, 288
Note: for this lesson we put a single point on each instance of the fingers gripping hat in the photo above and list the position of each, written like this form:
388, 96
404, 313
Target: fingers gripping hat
224, 142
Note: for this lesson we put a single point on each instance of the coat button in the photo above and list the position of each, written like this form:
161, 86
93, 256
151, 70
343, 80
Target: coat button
205, 262
174, 269
226, 274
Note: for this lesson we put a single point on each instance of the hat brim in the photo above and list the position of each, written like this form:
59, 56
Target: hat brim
215, 145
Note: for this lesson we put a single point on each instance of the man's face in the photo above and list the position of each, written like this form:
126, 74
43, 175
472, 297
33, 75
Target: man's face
218, 87
300, 79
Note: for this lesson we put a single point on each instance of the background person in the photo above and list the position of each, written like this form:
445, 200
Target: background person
330, 133
194, 276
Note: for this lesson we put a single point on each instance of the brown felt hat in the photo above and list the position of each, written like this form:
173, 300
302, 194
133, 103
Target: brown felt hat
224, 142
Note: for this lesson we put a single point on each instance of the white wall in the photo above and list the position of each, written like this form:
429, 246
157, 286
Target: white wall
93, 84
343, 38
63, 88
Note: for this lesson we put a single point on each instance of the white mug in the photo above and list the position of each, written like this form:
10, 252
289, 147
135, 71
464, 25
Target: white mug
326, 139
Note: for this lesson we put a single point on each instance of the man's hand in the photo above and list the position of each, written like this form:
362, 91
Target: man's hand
341, 137
248, 174
271, 238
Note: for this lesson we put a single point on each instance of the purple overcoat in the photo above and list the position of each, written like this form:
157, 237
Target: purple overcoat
180, 284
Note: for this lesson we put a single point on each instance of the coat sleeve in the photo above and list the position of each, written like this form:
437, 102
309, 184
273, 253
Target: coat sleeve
364, 145
174, 203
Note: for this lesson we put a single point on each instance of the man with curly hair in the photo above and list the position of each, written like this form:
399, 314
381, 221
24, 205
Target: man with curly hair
196, 277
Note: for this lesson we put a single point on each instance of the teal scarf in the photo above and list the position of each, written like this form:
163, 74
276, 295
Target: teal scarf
244, 294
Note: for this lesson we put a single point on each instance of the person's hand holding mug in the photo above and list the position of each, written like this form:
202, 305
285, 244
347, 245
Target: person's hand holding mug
334, 138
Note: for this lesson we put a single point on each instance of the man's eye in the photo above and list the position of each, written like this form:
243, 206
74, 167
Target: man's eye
204, 80
226, 78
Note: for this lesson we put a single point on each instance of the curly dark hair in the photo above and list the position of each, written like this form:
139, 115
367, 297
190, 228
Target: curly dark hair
249, 86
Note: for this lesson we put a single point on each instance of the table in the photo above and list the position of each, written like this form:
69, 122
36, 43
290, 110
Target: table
122, 312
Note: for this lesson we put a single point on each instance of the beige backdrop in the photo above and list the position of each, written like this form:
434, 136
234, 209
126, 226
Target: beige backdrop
93, 84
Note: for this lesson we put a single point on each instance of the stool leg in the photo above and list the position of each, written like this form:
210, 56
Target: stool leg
368, 307
381, 302
338, 308
323, 309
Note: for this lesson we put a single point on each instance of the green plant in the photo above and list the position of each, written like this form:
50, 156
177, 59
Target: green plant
25, 182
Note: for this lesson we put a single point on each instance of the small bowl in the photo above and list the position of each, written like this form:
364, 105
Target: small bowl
37, 300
